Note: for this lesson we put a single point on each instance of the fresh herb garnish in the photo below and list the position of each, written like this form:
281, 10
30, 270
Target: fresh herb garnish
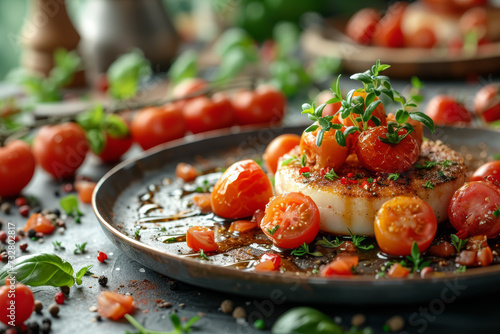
69, 204
259, 324
303, 160
303, 250
331, 175
204, 188
126, 74
429, 185
58, 245
203, 256
43, 270
286, 162
393, 176
442, 175
273, 230
457, 242
179, 328
461, 269
137, 233
430, 164
329, 244
306, 174
315, 271
496, 213
80, 248
416, 259
393, 136
358, 239
370, 180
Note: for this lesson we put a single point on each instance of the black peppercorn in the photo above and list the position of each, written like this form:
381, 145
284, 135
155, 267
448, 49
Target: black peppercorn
103, 280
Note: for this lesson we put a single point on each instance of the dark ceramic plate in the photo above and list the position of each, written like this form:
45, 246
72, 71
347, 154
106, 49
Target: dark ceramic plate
115, 203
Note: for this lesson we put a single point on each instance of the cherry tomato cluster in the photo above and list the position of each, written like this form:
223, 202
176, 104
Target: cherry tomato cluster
424, 24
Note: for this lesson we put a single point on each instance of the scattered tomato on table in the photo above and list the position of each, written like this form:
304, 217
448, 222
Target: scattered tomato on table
198, 237
113, 305
16, 168
16, 304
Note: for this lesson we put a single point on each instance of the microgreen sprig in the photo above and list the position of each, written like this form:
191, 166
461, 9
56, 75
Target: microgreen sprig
416, 258
329, 244
303, 250
179, 328
458, 243
80, 248
358, 239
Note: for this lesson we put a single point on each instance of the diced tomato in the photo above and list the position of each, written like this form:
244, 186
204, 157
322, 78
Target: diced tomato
198, 237
242, 226
477, 242
203, 202
113, 305
186, 172
467, 258
269, 262
40, 224
85, 190
264, 266
398, 271
484, 257
347, 246
341, 266
443, 249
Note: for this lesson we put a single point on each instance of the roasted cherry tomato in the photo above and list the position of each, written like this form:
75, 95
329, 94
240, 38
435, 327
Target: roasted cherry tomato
40, 224
60, 149
388, 31
475, 209
402, 221
329, 155
277, 148
16, 304
445, 110
491, 169
17, 165
377, 156
85, 190
268, 262
361, 26
186, 172
157, 125
398, 271
114, 305
243, 189
343, 265
115, 148
204, 114
264, 105
443, 249
487, 103
418, 128
291, 219
198, 237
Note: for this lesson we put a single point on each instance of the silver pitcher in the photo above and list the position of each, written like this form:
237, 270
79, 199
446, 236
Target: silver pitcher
110, 28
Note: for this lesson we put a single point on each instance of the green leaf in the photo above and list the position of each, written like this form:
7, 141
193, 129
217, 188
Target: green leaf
91, 119
126, 73
402, 116
363, 77
319, 110
83, 271
115, 126
70, 205
350, 130
305, 320
329, 244
286, 162
233, 63
184, 67
40, 270
383, 67
424, 119
416, 83
369, 110
340, 138
96, 139
393, 176
311, 128
319, 138
370, 98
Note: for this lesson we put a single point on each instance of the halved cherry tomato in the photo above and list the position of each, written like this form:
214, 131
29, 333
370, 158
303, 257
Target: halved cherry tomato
186, 172
343, 265
446, 110
114, 305
291, 219
17, 166
85, 190
242, 226
487, 103
115, 148
388, 31
491, 169
40, 224
16, 303
361, 26
264, 105
203, 202
60, 149
443, 249
329, 155
473, 207
277, 148
157, 125
484, 257
242, 189
198, 237
269, 262
204, 114
402, 221
418, 128
398, 271
377, 156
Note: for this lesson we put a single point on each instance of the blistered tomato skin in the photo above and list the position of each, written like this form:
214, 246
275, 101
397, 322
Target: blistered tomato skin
243, 189
291, 220
377, 156
329, 155
402, 221
472, 209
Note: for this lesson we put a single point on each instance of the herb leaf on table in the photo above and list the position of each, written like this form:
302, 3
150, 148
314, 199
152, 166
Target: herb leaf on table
179, 328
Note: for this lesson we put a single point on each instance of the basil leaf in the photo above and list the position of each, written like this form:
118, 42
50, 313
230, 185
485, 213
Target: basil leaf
39, 270
70, 205
83, 271
125, 74
91, 119
184, 67
305, 320
97, 140
426, 120
115, 126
